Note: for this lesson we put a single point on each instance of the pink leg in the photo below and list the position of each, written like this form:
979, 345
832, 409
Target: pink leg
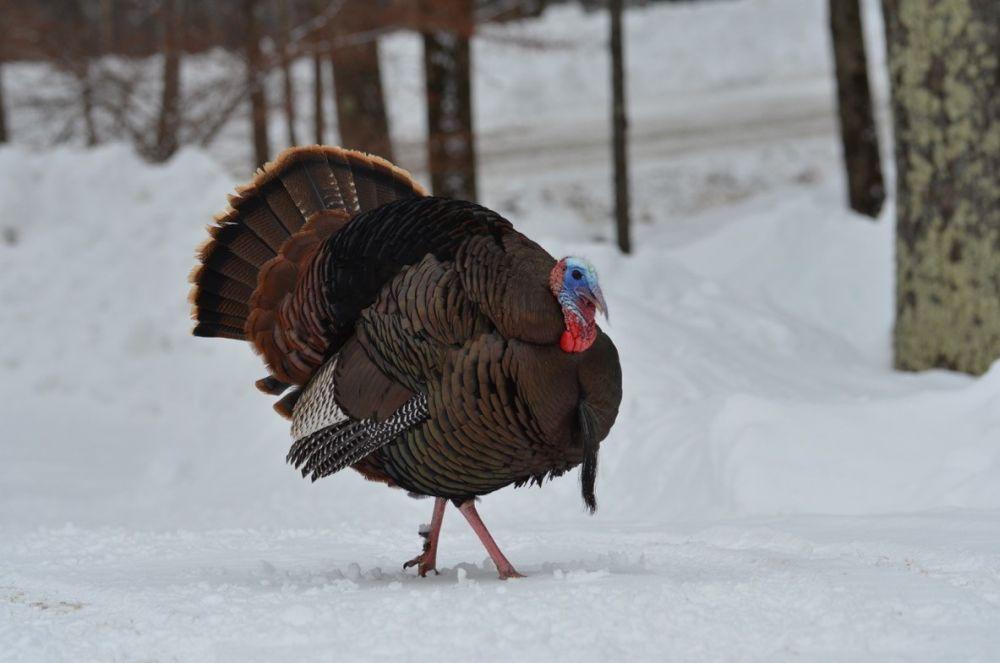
504, 567
427, 560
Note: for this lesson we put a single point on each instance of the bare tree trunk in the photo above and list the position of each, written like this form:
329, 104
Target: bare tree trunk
255, 83
620, 128
451, 148
168, 124
282, 32
107, 27
319, 128
357, 84
82, 42
3, 109
944, 63
86, 81
857, 122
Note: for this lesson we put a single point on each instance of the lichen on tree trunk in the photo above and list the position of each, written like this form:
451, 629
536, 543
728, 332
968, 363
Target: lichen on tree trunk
944, 62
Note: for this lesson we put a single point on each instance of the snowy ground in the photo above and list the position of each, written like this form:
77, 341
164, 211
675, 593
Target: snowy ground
772, 491
915, 587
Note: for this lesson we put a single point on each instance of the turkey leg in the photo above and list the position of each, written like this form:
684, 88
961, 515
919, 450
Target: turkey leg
427, 560
504, 567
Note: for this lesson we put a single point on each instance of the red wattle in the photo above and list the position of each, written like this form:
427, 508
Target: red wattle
567, 342
576, 337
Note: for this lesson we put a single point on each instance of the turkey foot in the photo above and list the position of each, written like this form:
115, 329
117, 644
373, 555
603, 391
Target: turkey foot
504, 568
427, 560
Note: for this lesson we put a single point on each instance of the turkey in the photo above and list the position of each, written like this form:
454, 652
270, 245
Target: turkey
421, 341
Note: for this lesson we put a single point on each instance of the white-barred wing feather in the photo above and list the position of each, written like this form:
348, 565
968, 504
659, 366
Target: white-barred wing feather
330, 449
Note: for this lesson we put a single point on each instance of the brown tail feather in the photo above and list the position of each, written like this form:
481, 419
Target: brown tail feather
247, 285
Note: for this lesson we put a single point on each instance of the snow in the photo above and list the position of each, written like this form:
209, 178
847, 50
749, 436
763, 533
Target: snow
773, 490
830, 588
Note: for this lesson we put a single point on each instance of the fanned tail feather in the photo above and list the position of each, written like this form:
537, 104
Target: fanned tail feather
285, 196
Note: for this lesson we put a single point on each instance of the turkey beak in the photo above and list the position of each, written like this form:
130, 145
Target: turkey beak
596, 297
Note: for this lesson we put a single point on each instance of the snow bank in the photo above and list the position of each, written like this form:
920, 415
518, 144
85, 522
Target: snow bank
904, 453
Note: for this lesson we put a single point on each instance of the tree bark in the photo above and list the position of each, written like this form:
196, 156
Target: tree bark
168, 124
255, 84
451, 147
858, 134
86, 82
107, 26
319, 123
287, 83
81, 42
619, 128
357, 84
3, 108
944, 63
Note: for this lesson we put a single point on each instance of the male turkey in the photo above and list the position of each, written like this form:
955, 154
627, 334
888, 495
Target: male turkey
422, 341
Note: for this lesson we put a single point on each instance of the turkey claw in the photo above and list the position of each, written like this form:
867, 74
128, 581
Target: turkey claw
423, 565
507, 574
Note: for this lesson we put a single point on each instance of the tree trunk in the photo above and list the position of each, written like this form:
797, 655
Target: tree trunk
451, 148
287, 83
107, 27
866, 190
319, 128
81, 47
255, 83
3, 109
357, 89
620, 128
357, 84
168, 125
86, 82
944, 63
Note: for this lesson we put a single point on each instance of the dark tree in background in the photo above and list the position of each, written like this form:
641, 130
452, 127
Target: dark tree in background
282, 32
451, 150
357, 82
255, 82
319, 125
944, 63
78, 45
168, 124
619, 123
859, 136
3, 107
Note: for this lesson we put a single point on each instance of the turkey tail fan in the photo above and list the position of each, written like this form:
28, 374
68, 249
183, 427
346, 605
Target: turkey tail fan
280, 201
333, 448
588, 471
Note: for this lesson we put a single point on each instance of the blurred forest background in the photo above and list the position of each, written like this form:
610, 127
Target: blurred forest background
164, 74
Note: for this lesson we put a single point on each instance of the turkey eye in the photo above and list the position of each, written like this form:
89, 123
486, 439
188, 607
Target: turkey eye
577, 275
